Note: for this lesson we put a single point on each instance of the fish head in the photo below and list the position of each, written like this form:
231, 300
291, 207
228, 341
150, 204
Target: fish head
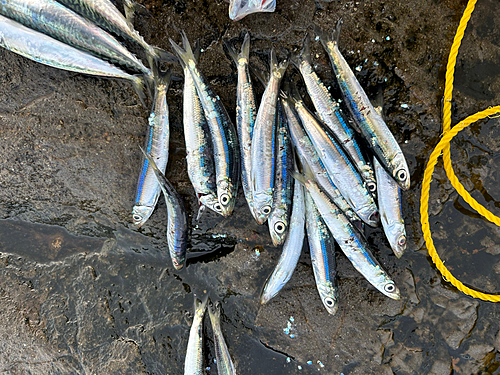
328, 294
140, 214
262, 204
226, 197
401, 172
396, 235
278, 226
211, 201
387, 287
369, 215
178, 262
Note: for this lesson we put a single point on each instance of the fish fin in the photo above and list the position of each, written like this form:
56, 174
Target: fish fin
184, 55
245, 46
214, 311
140, 85
162, 77
158, 56
278, 69
304, 54
261, 76
336, 31
201, 304
325, 38
129, 7
200, 211
300, 178
232, 52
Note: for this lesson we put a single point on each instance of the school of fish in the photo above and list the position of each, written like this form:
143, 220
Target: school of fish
319, 174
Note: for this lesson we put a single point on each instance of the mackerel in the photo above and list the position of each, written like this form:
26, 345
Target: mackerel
292, 248
193, 364
368, 121
389, 202
225, 365
246, 111
177, 218
322, 248
46, 50
263, 144
329, 112
222, 131
55, 20
350, 241
283, 187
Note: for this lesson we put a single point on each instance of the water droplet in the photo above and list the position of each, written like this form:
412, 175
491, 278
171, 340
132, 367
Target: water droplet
358, 68
387, 37
288, 359
404, 105
309, 362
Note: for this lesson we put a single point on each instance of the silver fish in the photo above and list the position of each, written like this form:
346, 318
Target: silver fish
389, 203
157, 143
291, 249
322, 248
368, 121
338, 166
55, 20
199, 153
46, 50
306, 151
177, 218
350, 241
329, 112
283, 186
246, 111
263, 144
222, 131
225, 365
105, 14
193, 364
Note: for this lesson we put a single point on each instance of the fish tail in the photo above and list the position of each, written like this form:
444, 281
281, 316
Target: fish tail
245, 47
184, 55
201, 304
304, 54
261, 76
232, 52
157, 55
162, 180
129, 7
336, 31
200, 211
162, 77
214, 311
325, 38
278, 69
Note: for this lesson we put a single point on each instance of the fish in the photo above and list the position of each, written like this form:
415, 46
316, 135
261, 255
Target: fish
246, 112
107, 16
329, 112
241, 8
222, 131
177, 217
157, 144
337, 164
193, 363
283, 186
263, 144
46, 50
322, 248
225, 364
367, 120
306, 151
353, 245
199, 153
55, 20
292, 248
389, 203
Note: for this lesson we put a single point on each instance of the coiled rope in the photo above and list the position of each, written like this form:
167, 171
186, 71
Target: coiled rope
444, 147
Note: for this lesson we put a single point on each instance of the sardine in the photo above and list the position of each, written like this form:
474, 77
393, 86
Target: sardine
199, 153
105, 14
222, 131
322, 248
55, 20
283, 185
389, 203
350, 241
46, 50
291, 249
263, 144
225, 365
157, 143
368, 121
177, 218
329, 112
306, 151
193, 364
246, 111
338, 166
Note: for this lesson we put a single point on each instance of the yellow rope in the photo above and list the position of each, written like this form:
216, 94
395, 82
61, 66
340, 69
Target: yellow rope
444, 147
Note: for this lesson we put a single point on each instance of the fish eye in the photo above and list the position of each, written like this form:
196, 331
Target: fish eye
401, 174
266, 210
402, 241
329, 301
372, 186
137, 217
217, 207
224, 199
279, 227
390, 288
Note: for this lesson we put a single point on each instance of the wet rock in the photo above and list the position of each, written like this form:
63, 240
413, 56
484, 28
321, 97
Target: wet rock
440, 368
